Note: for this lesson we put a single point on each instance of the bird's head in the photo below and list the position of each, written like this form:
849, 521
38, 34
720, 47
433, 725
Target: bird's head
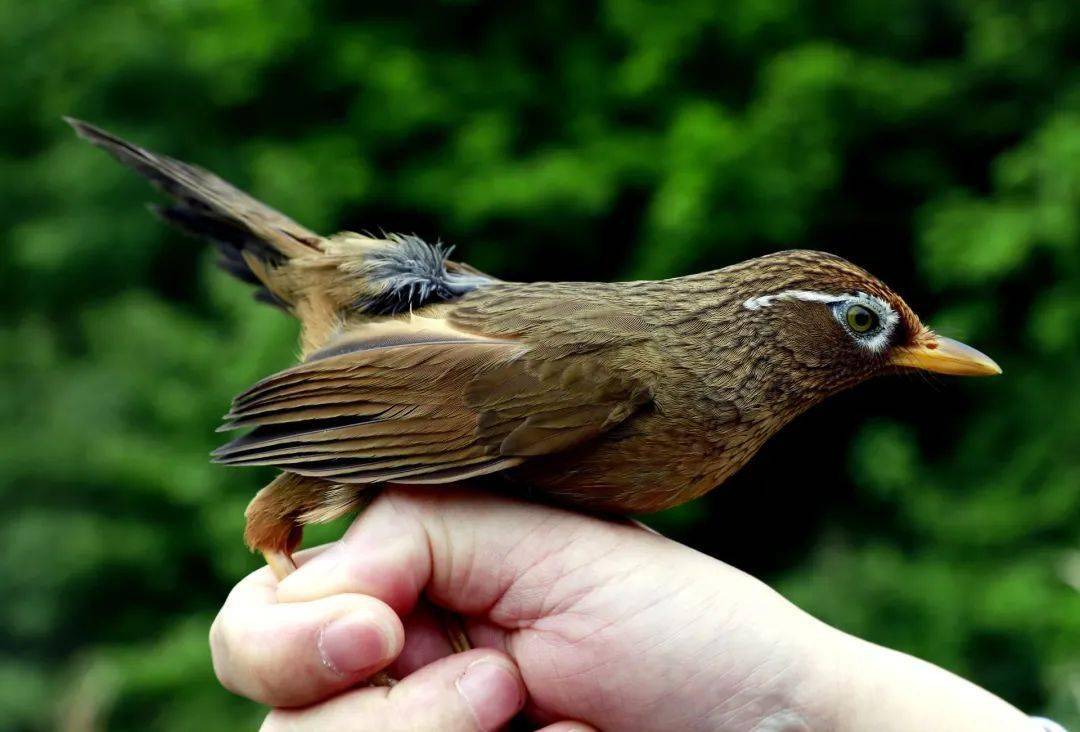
831, 324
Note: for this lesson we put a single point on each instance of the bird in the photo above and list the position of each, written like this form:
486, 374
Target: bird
618, 398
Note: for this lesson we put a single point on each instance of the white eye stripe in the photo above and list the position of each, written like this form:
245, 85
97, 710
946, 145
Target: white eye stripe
764, 301
885, 313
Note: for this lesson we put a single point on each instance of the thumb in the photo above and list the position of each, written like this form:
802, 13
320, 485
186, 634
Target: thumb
480, 690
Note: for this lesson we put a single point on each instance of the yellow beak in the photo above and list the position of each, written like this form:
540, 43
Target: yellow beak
941, 355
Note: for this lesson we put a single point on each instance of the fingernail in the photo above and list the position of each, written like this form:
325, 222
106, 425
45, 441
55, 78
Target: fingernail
353, 643
492, 692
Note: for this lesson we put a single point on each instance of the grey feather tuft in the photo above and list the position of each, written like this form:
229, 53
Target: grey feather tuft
411, 274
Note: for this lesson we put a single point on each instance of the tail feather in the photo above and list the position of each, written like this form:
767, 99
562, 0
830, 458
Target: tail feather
204, 205
318, 279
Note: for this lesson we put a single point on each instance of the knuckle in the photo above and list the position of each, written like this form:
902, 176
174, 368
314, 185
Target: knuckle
217, 640
219, 655
224, 677
235, 655
226, 632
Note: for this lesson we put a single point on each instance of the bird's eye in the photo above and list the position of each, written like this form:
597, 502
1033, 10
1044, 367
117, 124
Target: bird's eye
861, 319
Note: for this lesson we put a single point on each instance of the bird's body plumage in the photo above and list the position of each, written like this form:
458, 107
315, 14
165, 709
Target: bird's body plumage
620, 397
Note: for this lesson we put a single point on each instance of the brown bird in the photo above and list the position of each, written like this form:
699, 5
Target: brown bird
625, 397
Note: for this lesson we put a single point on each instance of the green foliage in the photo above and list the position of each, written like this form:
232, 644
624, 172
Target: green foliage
937, 143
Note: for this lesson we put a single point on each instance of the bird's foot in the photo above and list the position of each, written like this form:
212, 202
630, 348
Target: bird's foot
280, 562
454, 628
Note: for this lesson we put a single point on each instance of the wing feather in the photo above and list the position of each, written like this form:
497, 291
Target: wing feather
427, 403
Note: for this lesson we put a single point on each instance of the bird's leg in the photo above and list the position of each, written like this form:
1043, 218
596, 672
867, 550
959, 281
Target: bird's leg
280, 562
273, 527
454, 627
273, 531
273, 519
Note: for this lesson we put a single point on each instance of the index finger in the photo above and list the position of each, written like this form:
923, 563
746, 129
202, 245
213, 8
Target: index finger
465, 550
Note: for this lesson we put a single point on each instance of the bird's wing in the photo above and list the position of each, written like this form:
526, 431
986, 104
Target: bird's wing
419, 400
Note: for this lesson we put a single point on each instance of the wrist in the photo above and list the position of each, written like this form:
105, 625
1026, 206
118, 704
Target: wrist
790, 666
881, 689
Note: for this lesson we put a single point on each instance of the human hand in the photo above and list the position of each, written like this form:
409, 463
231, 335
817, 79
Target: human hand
291, 654
607, 623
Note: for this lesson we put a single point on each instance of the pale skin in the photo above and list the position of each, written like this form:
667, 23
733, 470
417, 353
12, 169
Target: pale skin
583, 623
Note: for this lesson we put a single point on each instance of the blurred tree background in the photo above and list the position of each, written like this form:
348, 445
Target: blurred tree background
937, 143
